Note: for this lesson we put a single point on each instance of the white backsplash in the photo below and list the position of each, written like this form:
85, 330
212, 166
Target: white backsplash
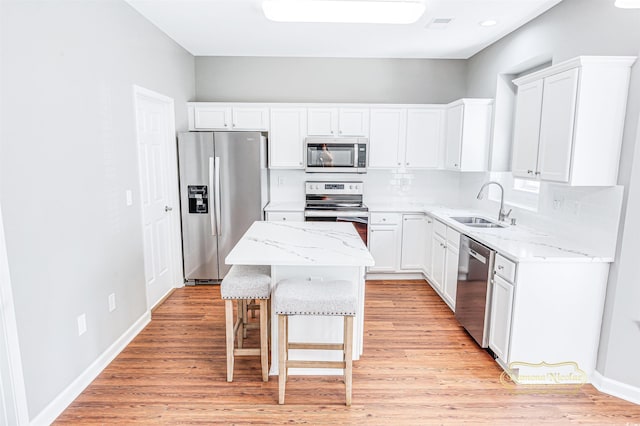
388, 186
589, 215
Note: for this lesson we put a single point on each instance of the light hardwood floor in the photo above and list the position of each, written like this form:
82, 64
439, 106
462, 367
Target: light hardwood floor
419, 367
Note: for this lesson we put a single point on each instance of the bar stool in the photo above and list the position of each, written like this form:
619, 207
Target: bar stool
305, 297
245, 283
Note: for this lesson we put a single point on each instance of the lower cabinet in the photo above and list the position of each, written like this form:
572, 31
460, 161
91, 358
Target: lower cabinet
427, 260
439, 256
413, 244
285, 216
500, 325
383, 245
546, 319
445, 246
451, 275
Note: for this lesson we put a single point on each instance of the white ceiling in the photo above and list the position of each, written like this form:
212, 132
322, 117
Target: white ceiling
239, 28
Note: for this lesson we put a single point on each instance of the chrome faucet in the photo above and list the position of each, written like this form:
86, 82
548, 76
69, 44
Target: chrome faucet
502, 215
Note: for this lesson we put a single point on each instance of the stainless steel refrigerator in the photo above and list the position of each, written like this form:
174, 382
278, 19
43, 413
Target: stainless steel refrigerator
223, 190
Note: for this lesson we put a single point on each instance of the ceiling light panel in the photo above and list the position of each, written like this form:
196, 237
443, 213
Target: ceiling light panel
344, 11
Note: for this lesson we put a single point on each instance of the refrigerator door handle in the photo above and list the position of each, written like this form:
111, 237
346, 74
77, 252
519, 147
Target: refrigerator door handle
211, 212
218, 197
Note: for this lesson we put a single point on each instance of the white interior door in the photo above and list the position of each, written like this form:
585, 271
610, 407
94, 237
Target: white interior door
13, 403
157, 167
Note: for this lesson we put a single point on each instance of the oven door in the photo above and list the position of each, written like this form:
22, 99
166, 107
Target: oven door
360, 220
338, 157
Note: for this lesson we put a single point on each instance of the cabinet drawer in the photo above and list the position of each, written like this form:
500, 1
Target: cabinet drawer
453, 238
505, 268
440, 228
286, 216
384, 218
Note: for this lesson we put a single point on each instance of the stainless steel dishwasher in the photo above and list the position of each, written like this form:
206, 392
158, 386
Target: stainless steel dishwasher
473, 296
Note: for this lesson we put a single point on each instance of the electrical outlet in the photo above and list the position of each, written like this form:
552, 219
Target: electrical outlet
82, 324
280, 180
129, 196
558, 202
112, 302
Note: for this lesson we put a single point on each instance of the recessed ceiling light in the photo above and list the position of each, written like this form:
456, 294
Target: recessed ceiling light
488, 23
439, 23
344, 11
628, 4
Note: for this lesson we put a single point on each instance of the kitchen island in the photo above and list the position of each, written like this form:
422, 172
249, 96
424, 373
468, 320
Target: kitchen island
309, 250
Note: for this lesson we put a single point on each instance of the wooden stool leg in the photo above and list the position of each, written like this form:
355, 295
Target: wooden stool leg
286, 348
264, 340
348, 356
229, 325
240, 319
245, 317
282, 362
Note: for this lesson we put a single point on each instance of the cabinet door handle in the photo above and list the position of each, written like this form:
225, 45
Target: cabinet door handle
500, 267
529, 172
537, 173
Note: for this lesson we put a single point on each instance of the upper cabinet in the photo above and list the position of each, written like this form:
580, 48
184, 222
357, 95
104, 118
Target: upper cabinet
338, 122
468, 135
288, 128
569, 121
406, 137
387, 135
215, 116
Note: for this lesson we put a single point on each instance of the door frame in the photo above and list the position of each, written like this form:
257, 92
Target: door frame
171, 176
12, 389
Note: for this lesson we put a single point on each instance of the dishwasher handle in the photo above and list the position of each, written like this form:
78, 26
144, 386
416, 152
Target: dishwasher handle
477, 256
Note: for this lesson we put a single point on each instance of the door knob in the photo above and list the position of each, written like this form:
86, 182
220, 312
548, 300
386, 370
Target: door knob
167, 208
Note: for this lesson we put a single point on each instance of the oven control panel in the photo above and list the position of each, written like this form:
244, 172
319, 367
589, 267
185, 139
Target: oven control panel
334, 188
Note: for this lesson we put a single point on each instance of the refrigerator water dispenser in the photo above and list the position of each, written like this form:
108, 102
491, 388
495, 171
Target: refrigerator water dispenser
198, 199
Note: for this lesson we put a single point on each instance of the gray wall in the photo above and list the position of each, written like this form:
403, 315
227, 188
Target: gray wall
68, 153
252, 79
589, 27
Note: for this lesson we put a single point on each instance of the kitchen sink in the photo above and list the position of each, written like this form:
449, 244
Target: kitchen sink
477, 222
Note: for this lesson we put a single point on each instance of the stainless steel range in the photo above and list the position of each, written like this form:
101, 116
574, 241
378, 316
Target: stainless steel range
337, 202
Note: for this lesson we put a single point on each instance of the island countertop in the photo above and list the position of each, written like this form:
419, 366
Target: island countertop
301, 243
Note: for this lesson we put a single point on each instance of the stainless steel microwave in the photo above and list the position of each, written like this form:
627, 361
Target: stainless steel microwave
336, 155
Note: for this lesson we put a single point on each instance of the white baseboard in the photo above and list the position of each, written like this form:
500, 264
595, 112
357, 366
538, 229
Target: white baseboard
394, 276
615, 388
67, 396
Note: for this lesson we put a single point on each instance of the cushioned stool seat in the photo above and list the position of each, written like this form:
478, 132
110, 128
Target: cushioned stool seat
305, 297
246, 283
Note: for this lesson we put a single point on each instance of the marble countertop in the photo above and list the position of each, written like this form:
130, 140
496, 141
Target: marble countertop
285, 206
518, 243
301, 243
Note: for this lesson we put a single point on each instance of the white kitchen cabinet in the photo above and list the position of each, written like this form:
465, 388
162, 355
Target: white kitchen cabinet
450, 283
424, 138
468, 135
445, 246
500, 322
288, 128
427, 261
384, 241
214, 116
524, 160
387, 135
411, 138
569, 121
439, 256
285, 216
412, 248
334, 121
383, 245
546, 319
